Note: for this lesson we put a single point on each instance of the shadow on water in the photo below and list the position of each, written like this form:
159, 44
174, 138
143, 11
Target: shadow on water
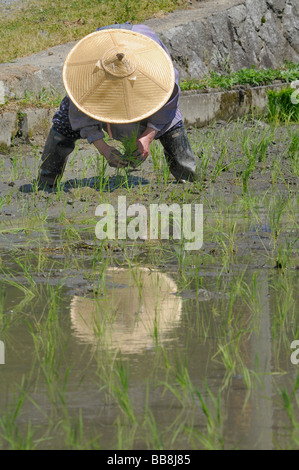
108, 184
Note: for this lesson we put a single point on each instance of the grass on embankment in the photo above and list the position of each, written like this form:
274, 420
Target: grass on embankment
48, 23
288, 72
249, 77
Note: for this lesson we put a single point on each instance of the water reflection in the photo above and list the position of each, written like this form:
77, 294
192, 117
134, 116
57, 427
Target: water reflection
138, 307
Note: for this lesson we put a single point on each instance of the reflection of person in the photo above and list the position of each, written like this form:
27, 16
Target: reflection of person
138, 304
119, 79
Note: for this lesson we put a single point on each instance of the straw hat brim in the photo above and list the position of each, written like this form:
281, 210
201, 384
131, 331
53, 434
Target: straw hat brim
118, 76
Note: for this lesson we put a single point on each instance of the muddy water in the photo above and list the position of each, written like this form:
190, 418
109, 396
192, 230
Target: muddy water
142, 315
143, 346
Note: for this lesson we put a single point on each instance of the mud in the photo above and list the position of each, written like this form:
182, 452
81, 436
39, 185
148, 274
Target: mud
82, 190
41, 218
103, 332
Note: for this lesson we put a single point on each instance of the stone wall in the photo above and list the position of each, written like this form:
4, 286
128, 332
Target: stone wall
216, 35
213, 34
225, 35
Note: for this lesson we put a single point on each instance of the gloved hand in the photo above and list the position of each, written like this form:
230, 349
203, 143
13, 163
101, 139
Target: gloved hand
114, 158
136, 159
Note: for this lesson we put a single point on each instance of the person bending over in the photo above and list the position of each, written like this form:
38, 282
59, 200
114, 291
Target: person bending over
119, 80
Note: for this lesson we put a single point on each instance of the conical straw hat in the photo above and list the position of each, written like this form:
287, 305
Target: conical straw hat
118, 76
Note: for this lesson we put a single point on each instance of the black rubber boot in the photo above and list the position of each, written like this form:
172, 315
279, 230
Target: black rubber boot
54, 157
179, 154
53, 161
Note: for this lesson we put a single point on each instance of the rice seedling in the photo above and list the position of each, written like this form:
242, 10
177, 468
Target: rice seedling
281, 108
74, 432
207, 152
220, 163
130, 149
50, 347
102, 180
15, 166
157, 157
250, 163
290, 403
211, 436
12, 435
119, 389
285, 313
277, 208
2, 202
10, 280
153, 436
231, 325
293, 150
126, 435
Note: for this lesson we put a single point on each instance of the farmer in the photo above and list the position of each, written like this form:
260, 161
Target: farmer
121, 80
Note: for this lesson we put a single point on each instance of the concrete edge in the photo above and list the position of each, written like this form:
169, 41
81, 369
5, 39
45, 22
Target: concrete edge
199, 109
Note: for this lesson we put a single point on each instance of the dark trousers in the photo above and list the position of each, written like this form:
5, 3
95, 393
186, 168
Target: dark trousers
177, 150
54, 157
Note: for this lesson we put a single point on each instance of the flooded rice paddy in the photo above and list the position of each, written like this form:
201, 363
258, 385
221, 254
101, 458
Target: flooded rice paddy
123, 344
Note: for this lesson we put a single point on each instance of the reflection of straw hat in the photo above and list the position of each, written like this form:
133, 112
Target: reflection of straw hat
138, 303
118, 76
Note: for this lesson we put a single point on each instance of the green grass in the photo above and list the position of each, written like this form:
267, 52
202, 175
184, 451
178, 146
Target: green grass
247, 76
45, 24
281, 108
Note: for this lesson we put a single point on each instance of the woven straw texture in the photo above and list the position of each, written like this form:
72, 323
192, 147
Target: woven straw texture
118, 76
